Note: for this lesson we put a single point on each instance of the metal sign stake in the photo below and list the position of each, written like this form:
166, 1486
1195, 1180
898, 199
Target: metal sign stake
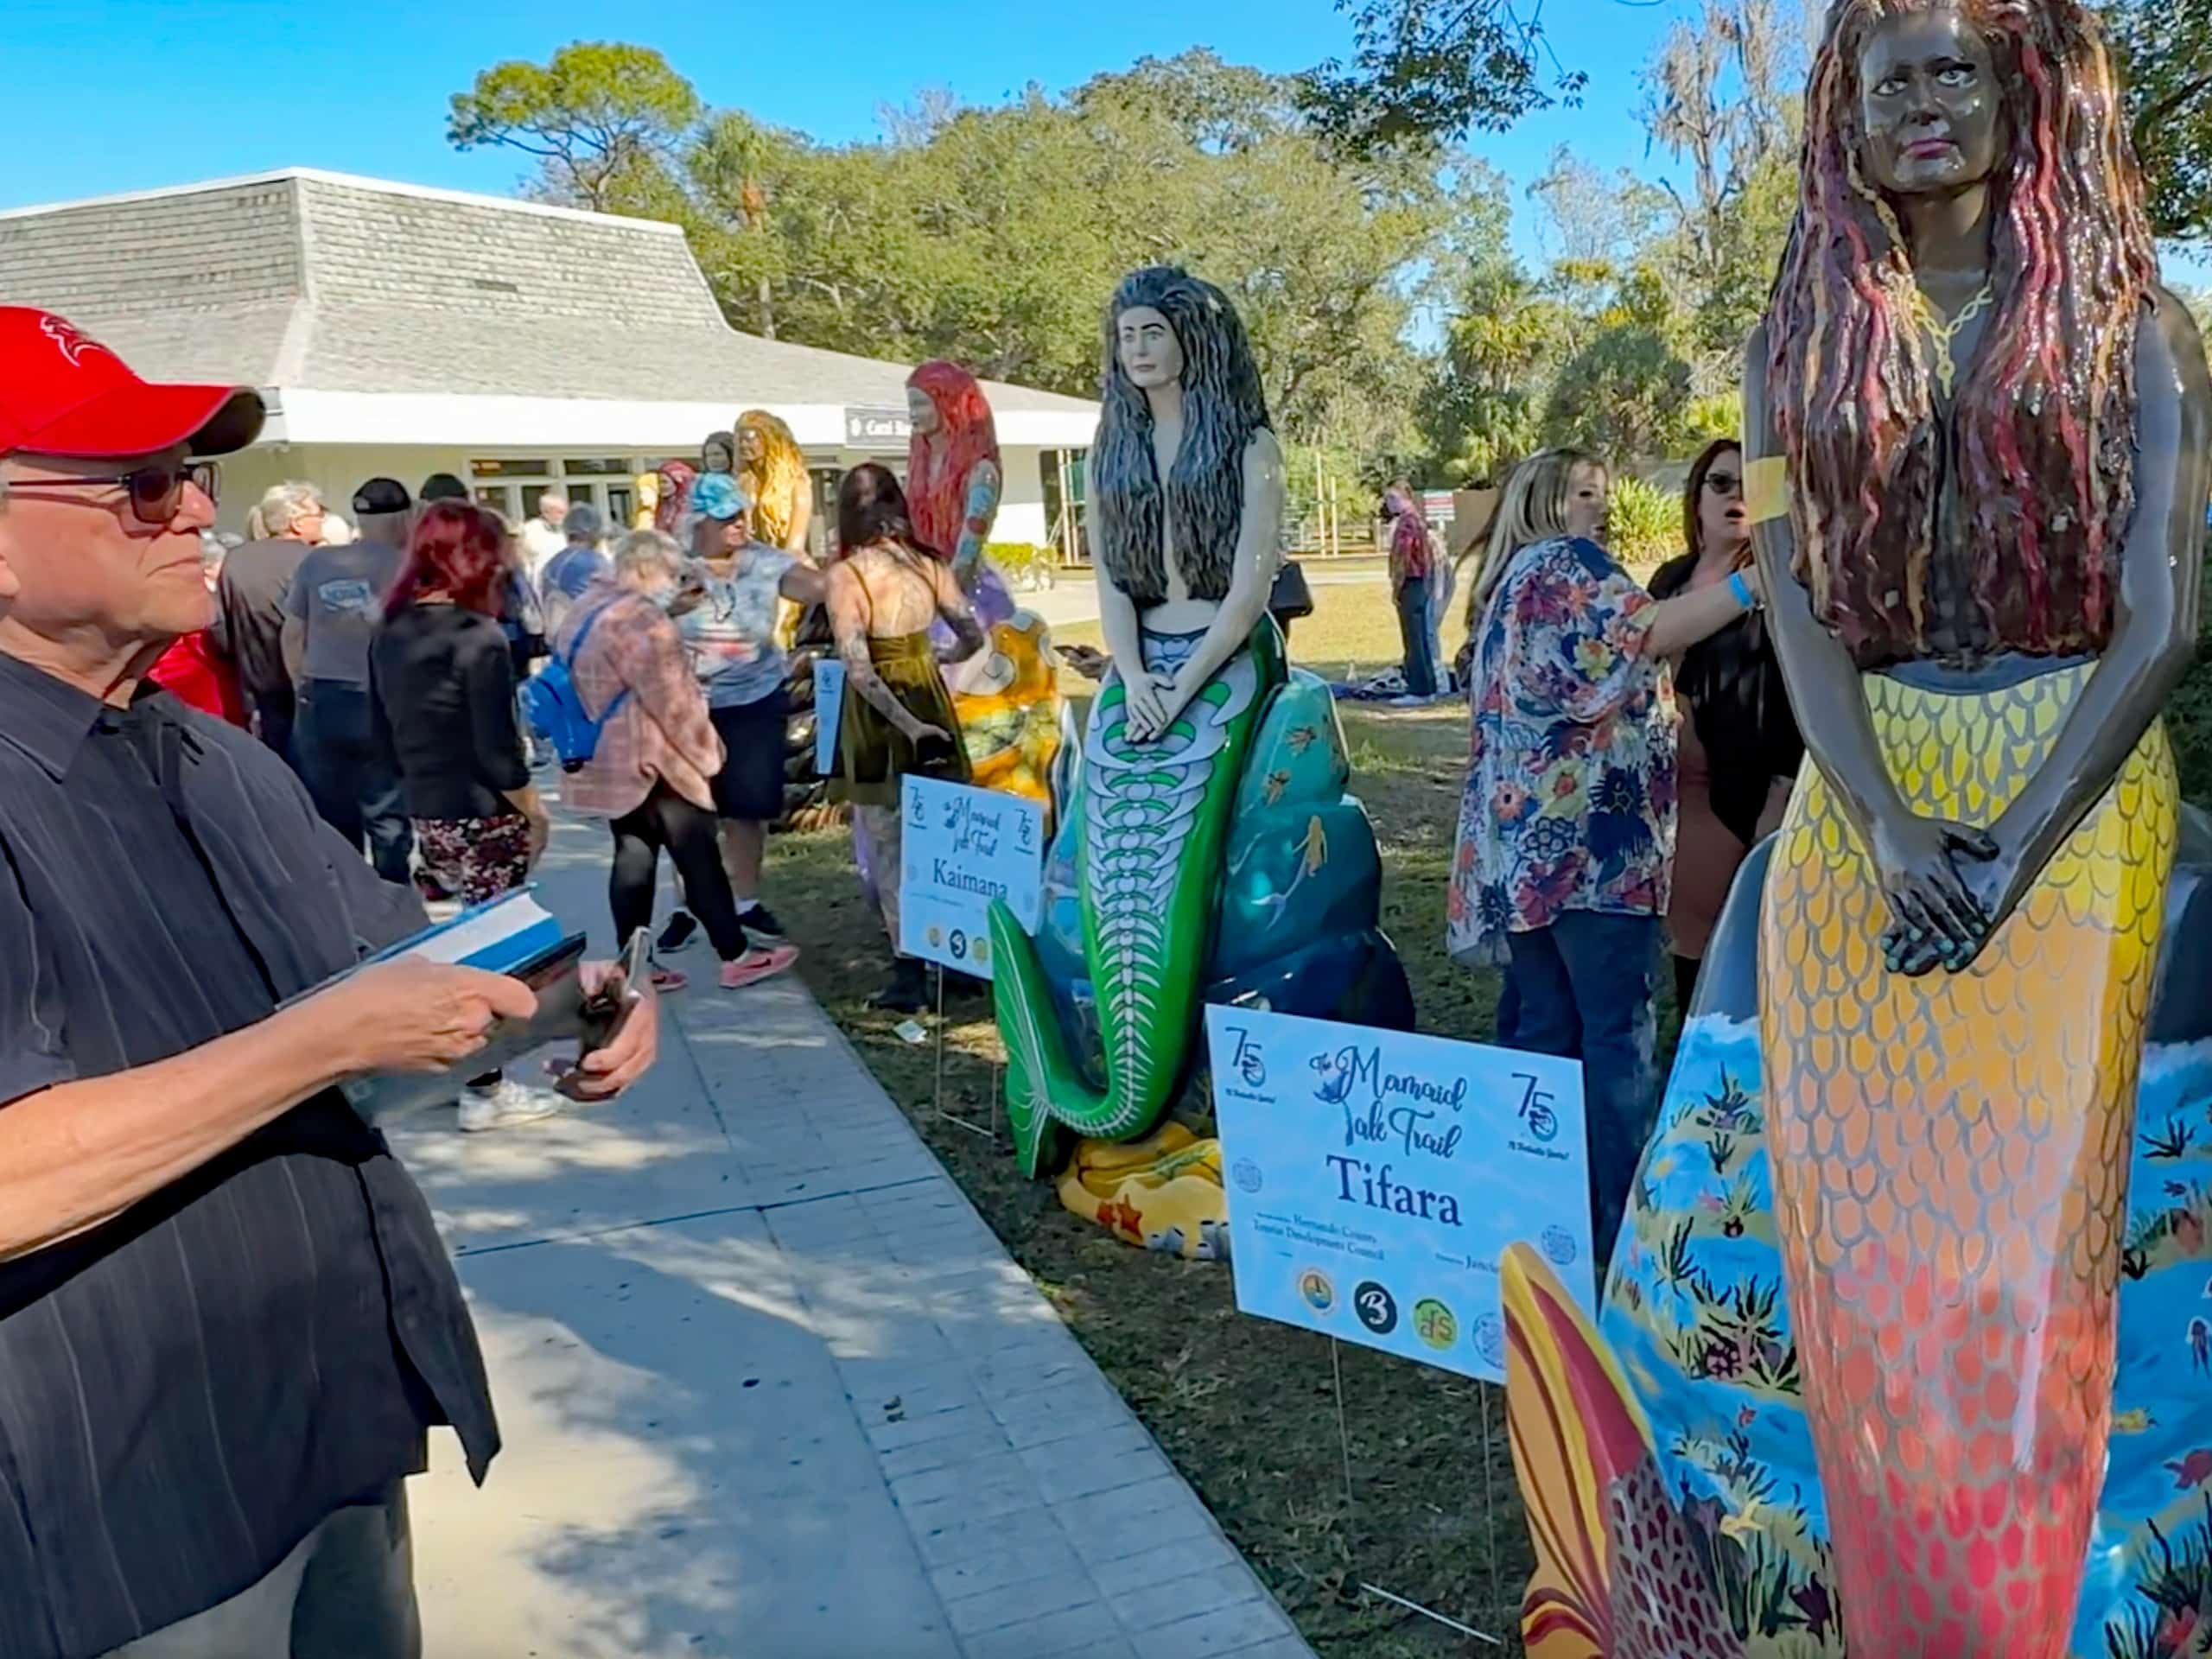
1344, 1445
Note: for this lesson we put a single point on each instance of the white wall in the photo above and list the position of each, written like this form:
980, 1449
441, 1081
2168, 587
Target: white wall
339, 469
1021, 509
335, 470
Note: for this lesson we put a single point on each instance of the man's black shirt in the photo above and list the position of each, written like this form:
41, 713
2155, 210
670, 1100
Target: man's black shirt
188, 1390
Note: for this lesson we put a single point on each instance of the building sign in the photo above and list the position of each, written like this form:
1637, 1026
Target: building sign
961, 848
1439, 507
868, 427
1376, 1178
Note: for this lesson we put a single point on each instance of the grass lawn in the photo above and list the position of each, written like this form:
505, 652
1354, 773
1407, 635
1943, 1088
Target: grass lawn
1246, 1408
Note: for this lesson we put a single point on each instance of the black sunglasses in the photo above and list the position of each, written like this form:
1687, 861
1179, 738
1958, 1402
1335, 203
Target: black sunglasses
156, 491
1723, 483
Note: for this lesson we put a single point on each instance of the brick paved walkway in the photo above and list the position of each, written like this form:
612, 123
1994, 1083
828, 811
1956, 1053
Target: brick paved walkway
770, 1386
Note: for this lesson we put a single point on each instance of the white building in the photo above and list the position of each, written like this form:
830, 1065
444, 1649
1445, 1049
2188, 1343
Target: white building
402, 330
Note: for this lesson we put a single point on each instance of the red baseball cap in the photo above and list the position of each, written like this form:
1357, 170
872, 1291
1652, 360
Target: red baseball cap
64, 394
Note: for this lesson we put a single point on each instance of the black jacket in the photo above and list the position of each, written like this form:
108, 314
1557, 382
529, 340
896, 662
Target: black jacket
444, 685
1733, 686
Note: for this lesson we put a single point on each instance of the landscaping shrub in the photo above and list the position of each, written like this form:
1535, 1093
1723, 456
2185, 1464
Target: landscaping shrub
1645, 527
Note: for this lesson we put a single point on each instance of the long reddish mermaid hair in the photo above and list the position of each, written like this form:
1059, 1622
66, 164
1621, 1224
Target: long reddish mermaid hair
2045, 417
936, 474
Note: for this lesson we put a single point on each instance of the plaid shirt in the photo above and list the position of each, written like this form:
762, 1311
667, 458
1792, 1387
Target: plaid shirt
661, 733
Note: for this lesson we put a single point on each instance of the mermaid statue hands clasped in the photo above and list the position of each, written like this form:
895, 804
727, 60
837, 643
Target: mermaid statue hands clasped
1934, 140
1184, 601
1864, 1357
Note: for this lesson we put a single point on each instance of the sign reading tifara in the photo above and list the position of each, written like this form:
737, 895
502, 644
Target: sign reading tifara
1375, 1177
961, 848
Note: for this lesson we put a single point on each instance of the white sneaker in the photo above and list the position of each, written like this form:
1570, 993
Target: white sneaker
506, 1104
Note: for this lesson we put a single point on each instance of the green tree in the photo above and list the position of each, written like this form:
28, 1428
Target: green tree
1427, 71
994, 235
2165, 52
1628, 388
1432, 70
1481, 410
1720, 103
601, 119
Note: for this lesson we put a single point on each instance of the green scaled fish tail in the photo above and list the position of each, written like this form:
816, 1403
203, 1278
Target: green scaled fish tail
1154, 821
1038, 1067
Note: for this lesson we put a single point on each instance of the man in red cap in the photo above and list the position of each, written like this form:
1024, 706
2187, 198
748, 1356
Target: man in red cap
226, 1322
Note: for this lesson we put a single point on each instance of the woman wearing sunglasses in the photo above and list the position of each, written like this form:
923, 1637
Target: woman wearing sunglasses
1738, 747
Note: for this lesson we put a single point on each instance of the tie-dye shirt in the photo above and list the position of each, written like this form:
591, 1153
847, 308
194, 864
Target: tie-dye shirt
1570, 796
731, 633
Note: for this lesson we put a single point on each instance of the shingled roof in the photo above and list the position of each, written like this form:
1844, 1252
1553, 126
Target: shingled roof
316, 281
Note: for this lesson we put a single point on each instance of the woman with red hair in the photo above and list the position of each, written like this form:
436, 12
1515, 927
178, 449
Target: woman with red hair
443, 696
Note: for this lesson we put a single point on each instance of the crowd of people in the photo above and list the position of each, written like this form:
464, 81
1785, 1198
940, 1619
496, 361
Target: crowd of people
1629, 744
356, 732
388, 663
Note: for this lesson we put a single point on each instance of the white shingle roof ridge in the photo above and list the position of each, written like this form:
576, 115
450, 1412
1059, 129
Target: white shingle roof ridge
347, 181
798, 351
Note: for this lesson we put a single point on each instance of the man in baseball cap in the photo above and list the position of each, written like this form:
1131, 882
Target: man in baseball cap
330, 612
69, 395
226, 1320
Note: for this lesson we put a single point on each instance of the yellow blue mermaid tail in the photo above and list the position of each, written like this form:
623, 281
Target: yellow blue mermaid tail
1009, 707
1919, 1370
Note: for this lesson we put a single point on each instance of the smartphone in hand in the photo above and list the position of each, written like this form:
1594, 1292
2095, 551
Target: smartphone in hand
603, 1011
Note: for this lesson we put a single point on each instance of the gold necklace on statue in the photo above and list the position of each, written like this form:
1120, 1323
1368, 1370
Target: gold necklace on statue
1946, 334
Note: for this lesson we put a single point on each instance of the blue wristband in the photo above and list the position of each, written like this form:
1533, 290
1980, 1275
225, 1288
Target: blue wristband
1742, 590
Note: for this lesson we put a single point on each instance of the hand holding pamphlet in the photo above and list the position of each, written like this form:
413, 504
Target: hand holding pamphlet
516, 936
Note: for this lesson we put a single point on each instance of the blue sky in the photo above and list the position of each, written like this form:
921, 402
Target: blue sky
114, 95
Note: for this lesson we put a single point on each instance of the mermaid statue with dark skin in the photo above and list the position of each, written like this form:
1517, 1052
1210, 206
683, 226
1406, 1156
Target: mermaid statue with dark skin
1898, 1355
1204, 753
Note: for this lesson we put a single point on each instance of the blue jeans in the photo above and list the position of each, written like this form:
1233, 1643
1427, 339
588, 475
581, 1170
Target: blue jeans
355, 784
1582, 989
1418, 637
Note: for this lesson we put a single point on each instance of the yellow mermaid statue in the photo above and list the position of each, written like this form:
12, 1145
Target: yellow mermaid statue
1891, 1360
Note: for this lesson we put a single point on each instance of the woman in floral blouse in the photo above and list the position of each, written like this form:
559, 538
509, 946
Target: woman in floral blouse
1567, 826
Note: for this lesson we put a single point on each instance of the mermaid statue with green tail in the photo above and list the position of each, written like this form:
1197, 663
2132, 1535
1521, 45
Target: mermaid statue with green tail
1209, 853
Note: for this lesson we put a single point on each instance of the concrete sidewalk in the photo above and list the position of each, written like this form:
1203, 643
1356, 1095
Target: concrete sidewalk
770, 1387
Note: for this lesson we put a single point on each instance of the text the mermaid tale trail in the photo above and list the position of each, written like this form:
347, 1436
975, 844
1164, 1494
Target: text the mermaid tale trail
1376, 1178
962, 848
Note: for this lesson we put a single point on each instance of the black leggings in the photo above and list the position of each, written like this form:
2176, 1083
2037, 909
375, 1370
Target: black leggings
667, 820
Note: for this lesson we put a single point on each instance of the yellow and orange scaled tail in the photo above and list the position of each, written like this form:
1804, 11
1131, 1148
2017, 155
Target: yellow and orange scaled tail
1618, 1576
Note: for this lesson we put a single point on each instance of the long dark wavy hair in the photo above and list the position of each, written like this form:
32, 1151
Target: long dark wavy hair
1731, 680
872, 512
2045, 420
1224, 405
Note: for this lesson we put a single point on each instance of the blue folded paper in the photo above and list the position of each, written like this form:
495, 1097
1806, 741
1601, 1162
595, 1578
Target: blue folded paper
497, 937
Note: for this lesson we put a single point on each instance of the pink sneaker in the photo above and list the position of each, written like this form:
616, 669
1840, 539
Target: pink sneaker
667, 980
756, 965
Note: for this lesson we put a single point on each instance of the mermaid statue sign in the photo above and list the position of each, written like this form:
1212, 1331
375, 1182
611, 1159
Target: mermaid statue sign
1905, 1350
1204, 755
